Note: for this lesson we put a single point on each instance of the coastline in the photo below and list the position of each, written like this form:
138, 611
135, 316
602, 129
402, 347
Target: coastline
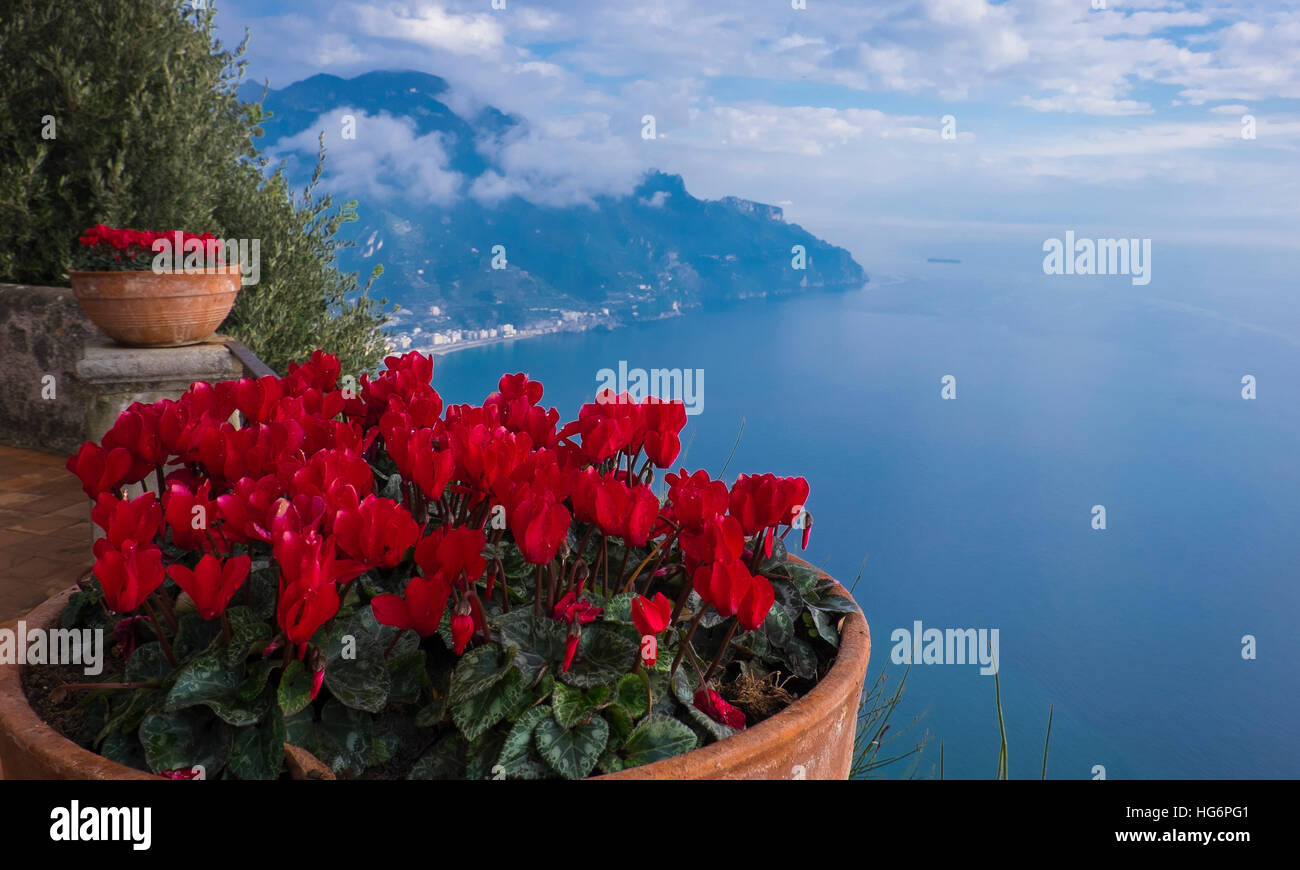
438, 350
447, 349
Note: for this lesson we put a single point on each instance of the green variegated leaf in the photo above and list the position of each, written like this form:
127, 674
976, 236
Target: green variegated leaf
804, 577
258, 752
632, 693
343, 738
148, 662
483, 753
619, 607
656, 738
207, 678
476, 714
294, 693
216, 681
262, 588
356, 671
246, 628
407, 676
515, 751
824, 622
258, 674
478, 670
539, 639
193, 635
801, 658
444, 760
572, 752
834, 603
603, 656
620, 721
124, 749
778, 626
179, 740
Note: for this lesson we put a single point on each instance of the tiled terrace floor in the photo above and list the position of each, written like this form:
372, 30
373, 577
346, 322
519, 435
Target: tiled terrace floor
44, 529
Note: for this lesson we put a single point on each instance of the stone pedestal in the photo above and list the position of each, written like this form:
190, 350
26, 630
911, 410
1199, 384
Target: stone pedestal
118, 376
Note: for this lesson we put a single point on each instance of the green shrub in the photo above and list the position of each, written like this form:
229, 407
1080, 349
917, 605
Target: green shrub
126, 113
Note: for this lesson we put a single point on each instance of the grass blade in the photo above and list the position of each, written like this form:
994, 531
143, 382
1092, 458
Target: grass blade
1047, 741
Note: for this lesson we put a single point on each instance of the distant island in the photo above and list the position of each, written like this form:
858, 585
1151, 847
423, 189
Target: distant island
941, 260
467, 271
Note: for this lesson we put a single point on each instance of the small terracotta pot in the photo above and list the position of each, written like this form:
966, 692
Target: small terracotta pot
810, 739
31, 749
152, 309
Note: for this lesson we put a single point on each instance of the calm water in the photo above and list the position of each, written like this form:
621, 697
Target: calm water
975, 513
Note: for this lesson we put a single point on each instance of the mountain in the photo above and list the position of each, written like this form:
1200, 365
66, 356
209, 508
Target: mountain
654, 252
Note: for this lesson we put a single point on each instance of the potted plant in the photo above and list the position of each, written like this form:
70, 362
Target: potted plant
404, 589
153, 289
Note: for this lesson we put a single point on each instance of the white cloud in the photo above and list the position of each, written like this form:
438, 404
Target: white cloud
387, 159
429, 25
561, 161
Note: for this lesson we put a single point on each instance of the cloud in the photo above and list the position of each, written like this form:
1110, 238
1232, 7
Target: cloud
387, 159
429, 25
560, 161
1058, 105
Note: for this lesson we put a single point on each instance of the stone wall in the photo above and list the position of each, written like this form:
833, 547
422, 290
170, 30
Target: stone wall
43, 332
63, 382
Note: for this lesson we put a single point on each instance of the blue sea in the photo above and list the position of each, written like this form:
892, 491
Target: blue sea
976, 512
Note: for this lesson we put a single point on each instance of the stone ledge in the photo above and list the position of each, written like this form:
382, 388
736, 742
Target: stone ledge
156, 369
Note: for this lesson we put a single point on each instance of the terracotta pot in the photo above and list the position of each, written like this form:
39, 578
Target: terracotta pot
31, 749
150, 309
810, 739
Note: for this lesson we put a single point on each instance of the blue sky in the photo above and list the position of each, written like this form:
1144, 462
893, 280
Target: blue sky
1125, 120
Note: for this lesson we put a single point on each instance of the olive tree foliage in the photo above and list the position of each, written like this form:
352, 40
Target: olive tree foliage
126, 112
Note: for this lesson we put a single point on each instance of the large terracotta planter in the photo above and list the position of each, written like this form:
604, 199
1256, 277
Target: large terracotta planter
810, 739
152, 309
31, 749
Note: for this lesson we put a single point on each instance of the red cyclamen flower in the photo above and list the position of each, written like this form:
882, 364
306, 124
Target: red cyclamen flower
733, 591
212, 583
763, 500
462, 626
455, 556
378, 531
716, 708
419, 608
651, 616
123, 520
130, 575
100, 469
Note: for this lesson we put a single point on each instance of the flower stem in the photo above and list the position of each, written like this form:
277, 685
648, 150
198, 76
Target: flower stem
622, 565
726, 641
631, 580
162, 638
169, 615
681, 599
686, 642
